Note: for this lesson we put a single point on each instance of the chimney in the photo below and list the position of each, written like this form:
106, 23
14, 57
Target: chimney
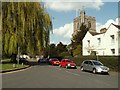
103, 30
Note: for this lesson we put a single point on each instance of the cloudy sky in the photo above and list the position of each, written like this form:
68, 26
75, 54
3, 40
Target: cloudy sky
63, 12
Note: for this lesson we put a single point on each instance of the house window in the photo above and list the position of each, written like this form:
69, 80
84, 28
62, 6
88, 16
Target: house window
88, 42
112, 39
113, 51
99, 41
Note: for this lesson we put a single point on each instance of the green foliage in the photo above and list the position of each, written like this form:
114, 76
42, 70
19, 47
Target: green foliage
80, 34
77, 51
65, 54
77, 39
59, 50
53, 51
25, 25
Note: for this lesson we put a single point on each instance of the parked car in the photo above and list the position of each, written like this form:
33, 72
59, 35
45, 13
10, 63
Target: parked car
54, 61
67, 63
23, 60
41, 60
94, 66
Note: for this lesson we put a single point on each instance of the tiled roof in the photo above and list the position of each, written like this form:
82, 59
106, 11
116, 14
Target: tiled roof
94, 33
103, 30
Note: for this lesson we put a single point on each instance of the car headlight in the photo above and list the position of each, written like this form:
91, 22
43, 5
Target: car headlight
68, 64
99, 69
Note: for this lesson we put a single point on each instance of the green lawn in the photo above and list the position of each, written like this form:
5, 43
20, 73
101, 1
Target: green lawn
10, 66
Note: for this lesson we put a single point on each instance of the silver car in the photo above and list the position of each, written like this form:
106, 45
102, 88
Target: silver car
94, 66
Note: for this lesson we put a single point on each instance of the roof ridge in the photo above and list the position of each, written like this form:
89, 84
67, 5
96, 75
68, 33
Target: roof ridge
118, 26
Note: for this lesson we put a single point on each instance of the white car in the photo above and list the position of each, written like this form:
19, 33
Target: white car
94, 66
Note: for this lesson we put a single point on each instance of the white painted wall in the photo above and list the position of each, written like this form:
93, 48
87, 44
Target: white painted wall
106, 44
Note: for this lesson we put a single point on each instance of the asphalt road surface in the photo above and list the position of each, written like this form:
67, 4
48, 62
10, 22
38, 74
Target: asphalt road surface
47, 76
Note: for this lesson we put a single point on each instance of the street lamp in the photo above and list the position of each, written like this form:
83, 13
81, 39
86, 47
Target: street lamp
97, 55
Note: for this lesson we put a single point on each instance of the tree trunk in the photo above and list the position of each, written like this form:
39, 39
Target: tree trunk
13, 58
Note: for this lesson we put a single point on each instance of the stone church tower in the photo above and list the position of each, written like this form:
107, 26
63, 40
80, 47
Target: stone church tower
87, 20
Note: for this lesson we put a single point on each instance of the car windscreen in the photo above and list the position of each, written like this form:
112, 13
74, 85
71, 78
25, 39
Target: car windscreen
69, 61
97, 63
55, 60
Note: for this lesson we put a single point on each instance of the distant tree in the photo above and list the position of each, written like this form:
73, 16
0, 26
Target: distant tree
77, 39
57, 50
53, 51
61, 47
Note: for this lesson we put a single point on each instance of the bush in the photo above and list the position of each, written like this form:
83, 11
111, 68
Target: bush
63, 54
110, 61
77, 51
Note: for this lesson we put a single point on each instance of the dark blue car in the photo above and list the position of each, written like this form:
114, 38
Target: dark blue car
42, 61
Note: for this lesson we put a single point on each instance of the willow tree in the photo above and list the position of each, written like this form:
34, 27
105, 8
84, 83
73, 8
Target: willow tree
25, 25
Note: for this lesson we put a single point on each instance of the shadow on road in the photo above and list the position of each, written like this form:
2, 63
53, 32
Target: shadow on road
96, 73
33, 63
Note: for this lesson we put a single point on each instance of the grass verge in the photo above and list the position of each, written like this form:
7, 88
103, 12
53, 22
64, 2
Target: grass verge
10, 66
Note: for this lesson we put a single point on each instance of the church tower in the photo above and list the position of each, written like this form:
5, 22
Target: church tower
87, 20
82, 16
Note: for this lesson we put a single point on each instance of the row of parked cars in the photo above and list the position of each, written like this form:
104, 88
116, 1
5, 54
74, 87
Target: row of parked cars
87, 65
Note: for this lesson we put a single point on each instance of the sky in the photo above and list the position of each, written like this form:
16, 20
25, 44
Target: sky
63, 12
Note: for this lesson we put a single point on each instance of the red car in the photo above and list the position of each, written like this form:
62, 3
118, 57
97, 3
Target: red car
54, 61
67, 63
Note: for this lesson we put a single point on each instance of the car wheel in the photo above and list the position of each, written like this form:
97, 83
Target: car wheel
66, 66
75, 67
94, 71
60, 66
81, 69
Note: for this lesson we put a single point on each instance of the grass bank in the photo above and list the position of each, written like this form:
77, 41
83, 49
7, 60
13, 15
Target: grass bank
11, 66
8, 65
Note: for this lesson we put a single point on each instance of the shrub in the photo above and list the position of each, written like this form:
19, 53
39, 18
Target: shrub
77, 51
63, 54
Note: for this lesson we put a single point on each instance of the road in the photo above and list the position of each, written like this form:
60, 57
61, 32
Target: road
47, 76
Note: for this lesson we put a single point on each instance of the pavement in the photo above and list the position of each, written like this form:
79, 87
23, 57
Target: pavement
47, 76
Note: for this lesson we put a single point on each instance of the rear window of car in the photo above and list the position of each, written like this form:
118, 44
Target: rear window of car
53, 59
68, 61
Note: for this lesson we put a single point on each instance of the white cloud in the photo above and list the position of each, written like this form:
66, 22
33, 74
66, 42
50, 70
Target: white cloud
64, 31
62, 34
61, 5
106, 25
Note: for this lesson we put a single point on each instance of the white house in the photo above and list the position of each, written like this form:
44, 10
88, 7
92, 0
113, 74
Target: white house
107, 42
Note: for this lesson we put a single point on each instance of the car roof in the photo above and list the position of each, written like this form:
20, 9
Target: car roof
91, 60
65, 59
53, 58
